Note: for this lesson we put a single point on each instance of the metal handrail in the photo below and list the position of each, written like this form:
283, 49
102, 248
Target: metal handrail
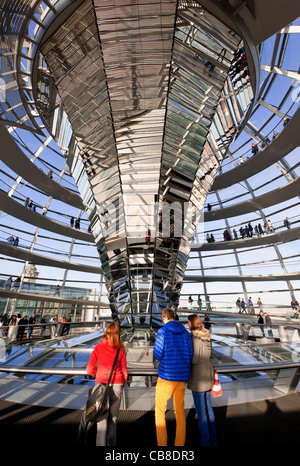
274, 325
142, 371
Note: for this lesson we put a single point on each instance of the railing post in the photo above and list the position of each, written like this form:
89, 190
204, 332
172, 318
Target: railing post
239, 329
295, 380
287, 380
283, 333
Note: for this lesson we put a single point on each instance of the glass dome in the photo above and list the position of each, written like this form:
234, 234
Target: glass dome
174, 117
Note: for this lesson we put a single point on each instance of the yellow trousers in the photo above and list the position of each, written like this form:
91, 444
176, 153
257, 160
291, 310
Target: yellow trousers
164, 390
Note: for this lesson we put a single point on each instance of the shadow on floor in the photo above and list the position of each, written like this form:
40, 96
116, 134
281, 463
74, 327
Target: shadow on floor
263, 423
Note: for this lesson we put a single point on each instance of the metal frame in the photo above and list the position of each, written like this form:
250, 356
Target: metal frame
274, 70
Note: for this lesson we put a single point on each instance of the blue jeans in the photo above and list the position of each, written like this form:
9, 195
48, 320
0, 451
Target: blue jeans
206, 418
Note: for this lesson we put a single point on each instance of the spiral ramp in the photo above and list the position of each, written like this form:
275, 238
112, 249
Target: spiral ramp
40, 159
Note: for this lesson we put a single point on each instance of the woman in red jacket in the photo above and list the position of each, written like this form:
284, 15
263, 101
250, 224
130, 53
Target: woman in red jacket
100, 364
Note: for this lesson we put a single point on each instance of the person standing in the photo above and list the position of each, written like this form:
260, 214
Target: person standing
250, 304
2, 331
148, 237
199, 303
16, 283
201, 380
207, 323
260, 321
61, 327
208, 304
100, 364
5, 321
12, 328
173, 349
270, 227
287, 223
243, 306
67, 326
260, 304
31, 322
268, 322
21, 327
43, 326
254, 148
53, 328
239, 305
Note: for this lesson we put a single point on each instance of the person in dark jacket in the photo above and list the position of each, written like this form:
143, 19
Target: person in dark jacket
174, 351
260, 321
31, 322
21, 327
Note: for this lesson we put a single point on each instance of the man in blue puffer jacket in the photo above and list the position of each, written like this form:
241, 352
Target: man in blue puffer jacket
173, 348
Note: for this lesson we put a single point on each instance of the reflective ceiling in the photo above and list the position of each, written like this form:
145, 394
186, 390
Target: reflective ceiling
154, 93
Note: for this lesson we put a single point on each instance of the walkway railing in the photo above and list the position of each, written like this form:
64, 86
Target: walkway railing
241, 326
91, 297
286, 375
65, 356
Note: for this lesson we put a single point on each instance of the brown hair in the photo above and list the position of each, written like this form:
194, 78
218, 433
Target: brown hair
168, 313
112, 334
195, 321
